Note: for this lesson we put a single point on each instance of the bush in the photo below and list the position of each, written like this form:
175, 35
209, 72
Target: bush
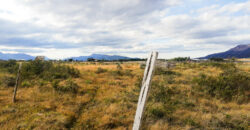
221, 65
161, 93
161, 104
10, 66
181, 59
62, 72
42, 83
142, 66
120, 72
69, 86
216, 59
55, 84
47, 71
158, 112
100, 70
26, 84
34, 69
164, 71
191, 122
128, 73
227, 86
9, 81
117, 73
119, 67
88, 81
138, 82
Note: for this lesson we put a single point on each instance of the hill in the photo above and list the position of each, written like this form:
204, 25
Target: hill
101, 57
18, 56
240, 51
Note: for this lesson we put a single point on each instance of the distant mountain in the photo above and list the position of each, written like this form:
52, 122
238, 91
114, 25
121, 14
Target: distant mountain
101, 57
240, 51
18, 56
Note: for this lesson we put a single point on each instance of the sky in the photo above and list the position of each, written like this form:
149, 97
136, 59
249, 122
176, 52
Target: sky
65, 28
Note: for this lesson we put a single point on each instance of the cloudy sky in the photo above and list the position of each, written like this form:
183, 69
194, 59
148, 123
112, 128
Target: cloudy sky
65, 28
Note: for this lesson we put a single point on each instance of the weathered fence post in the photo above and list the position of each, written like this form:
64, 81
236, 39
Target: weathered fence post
17, 82
148, 73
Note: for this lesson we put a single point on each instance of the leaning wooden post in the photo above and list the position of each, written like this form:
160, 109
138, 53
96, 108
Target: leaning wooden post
148, 73
17, 82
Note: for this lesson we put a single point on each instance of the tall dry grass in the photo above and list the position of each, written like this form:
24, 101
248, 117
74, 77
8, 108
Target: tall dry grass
107, 95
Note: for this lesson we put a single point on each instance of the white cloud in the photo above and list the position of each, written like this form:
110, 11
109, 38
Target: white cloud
130, 27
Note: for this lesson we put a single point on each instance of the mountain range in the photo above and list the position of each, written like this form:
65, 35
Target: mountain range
21, 56
240, 51
101, 57
18, 56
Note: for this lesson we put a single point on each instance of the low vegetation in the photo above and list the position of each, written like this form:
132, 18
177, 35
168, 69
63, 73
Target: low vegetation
181, 59
216, 59
68, 86
8, 66
103, 95
47, 71
231, 84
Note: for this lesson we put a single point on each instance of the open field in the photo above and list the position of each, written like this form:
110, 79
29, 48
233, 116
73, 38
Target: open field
104, 96
244, 59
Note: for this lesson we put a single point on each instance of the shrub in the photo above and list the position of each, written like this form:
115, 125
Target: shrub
191, 122
227, 123
221, 65
9, 81
164, 71
158, 112
160, 102
117, 73
227, 86
75, 73
42, 83
26, 84
10, 66
47, 71
119, 67
38, 66
181, 59
100, 70
128, 73
142, 66
161, 111
69, 86
216, 59
138, 82
161, 93
88, 81
55, 84
34, 69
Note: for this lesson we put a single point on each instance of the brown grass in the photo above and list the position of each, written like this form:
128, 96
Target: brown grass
108, 101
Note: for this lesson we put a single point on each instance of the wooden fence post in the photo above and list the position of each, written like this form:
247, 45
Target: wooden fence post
17, 82
148, 73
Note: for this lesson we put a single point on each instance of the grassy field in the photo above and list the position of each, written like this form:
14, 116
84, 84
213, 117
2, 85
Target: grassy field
207, 95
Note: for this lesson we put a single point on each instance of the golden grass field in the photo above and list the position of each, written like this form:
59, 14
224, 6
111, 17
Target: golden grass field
108, 100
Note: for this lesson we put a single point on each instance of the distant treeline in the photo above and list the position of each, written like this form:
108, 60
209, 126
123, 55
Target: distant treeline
88, 60
103, 60
177, 59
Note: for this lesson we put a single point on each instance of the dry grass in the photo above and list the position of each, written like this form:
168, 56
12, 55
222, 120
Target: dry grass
108, 100
100, 96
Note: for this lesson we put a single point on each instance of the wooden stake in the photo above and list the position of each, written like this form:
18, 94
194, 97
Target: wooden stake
17, 82
148, 73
